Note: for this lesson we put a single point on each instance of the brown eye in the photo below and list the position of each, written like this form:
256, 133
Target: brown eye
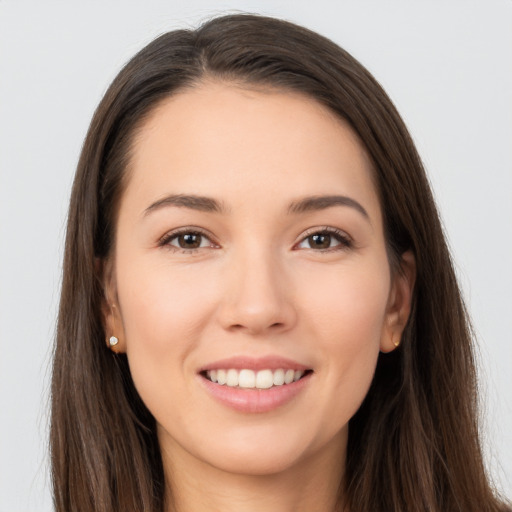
186, 240
189, 240
326, 240
319, 241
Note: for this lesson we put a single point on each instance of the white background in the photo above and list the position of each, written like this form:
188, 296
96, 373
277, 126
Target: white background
446, 64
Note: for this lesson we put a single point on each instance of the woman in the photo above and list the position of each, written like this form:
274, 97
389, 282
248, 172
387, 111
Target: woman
258, 308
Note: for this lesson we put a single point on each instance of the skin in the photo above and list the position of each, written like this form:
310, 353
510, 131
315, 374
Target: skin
257, 285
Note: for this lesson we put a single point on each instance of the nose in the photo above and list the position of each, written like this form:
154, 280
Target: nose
257, 299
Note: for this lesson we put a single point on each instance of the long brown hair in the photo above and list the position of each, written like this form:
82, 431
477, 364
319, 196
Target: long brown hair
414, 443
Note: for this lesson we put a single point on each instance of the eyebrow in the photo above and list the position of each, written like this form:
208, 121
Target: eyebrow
201, 203
315, 203
208, 204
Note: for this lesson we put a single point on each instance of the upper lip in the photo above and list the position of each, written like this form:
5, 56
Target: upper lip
255, 363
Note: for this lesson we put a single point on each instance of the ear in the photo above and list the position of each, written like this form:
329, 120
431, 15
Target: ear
399, 303
111, 315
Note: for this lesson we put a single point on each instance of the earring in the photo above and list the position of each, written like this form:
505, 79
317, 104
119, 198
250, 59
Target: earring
113, 341
396, 342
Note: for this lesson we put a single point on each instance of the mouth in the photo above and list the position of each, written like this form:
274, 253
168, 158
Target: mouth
255, 384
246, 378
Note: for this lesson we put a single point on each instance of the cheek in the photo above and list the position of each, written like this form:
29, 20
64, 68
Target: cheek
346, 317
164, 313
159, 303
347, 305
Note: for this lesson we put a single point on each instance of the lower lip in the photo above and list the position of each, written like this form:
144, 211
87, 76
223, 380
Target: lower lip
255, 400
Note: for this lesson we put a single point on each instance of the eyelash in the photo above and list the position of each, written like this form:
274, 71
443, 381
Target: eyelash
345, 242
165, 241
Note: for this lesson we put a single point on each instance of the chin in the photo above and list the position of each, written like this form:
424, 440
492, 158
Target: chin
268, 451
257, 462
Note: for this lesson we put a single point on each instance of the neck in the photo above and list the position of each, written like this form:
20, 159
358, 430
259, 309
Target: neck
313, 483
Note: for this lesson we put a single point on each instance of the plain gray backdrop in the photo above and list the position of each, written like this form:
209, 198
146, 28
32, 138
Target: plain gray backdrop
446, 64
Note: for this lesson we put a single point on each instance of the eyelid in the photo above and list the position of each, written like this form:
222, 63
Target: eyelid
346, 241
167, 237
324, 229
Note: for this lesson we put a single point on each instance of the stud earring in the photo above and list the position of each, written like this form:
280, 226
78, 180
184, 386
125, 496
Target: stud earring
113, 341
396, 342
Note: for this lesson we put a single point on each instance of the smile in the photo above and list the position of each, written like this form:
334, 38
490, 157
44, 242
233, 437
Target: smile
250, 379
255, 385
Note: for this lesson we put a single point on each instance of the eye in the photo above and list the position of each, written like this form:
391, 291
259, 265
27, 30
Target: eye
325, 240
186, 240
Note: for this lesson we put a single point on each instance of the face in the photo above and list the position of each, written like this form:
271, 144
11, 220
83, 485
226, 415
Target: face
250, 277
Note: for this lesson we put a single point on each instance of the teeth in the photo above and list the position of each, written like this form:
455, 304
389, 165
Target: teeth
278, 377
232, 378
246, 379
263, 379
221, 376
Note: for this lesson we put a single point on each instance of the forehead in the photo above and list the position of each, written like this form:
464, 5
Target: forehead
225, 140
